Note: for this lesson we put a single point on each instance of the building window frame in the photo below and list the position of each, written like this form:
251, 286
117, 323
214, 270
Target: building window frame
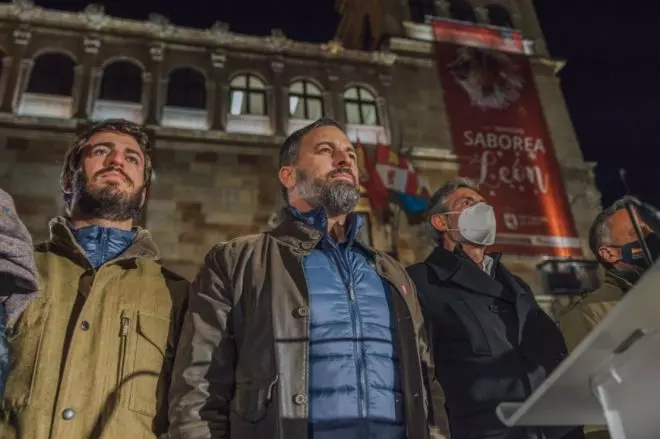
249, 91
364, 98
305, 98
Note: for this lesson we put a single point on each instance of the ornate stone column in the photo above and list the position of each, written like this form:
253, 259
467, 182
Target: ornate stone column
17, 70
278, 97
383, 105
152, 87
336, 92
84, 89
217, 92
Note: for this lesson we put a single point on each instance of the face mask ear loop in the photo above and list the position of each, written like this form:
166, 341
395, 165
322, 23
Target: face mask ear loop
640, 236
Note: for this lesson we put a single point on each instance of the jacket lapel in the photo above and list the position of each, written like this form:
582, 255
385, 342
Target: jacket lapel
525, 300
458, 270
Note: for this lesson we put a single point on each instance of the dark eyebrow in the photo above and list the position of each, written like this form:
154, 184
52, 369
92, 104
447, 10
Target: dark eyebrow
94, 145
324, 143
332, 144
134, 151
112, 145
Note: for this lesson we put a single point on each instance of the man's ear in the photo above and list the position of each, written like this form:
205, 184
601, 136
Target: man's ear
609, 254
288, 176
144, 197
439, 222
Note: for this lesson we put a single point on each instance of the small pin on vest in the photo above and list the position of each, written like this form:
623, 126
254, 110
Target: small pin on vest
404, 289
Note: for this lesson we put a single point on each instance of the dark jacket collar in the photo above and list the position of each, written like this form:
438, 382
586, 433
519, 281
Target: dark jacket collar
304, 230
459, 269
614, 278
143, 246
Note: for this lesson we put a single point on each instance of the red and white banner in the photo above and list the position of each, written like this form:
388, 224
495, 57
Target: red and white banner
500, 136
465, 34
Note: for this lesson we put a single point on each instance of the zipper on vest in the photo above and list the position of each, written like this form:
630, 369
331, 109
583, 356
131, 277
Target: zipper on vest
123, 347
357, 331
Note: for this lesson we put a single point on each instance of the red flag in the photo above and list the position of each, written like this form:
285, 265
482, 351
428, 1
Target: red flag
369, 178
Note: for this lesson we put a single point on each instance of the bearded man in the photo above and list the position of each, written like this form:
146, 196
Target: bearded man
305, 331
92, 352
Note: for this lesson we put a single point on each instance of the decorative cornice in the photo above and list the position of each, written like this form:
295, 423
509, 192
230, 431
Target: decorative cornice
92, 45
22, 36
554, 64
93, 18
218, 59
157, 51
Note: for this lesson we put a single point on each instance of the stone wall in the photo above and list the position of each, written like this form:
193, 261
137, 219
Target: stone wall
199, 199
30, 165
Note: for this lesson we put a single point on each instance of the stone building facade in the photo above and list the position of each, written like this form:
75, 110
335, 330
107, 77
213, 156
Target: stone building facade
219, 104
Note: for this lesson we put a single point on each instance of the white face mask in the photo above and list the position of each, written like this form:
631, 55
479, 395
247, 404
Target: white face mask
477, 224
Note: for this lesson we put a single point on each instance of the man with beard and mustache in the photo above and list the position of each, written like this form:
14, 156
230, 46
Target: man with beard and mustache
92, 353
304, 331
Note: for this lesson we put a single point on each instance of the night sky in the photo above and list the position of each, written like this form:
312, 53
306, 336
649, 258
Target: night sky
611, 81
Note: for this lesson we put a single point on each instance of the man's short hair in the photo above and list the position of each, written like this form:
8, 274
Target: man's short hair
72, 158
438, 203
291, 146
600, 233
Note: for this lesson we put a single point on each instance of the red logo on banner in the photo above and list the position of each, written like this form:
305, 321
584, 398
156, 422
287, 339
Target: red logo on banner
502, 141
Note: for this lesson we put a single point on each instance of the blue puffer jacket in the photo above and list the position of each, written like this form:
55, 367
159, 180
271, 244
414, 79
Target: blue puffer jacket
354, 382
102, 244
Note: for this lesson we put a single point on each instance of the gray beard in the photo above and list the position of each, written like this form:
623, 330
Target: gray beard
336, 197
105, 203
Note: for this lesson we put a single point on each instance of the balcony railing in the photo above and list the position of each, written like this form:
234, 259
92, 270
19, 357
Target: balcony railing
369, 134
43, 105
249, 124
187, 118
117, 110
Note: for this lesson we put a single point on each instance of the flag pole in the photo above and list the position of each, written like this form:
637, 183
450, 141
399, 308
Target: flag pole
396, 223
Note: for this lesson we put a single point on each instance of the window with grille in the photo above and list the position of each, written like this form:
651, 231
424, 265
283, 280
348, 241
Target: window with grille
305, 101
247, 96
360, 105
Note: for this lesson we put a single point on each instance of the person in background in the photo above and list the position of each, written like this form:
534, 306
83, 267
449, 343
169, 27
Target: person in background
491, 341
305, 331
92, 352
615, 245
18, 274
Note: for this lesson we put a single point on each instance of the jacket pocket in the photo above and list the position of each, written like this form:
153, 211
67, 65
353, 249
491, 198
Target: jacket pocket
251, 399
25, 341
143, 344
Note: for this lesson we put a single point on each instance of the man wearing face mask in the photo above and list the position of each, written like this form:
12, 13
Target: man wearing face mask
615, 244
491, 341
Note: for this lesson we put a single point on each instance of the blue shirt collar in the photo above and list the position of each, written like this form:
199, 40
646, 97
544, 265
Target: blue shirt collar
318, 219
102, 244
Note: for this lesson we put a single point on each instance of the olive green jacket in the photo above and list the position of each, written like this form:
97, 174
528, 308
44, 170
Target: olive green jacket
92, 353
584, 315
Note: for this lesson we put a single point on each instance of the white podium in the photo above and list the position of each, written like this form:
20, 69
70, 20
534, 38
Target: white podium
612, 378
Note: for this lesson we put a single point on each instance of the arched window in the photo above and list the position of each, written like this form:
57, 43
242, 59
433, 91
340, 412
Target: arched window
52, 74
247, 96
419, 9
499, 16
50, 87
305, 101
360, 105
187, 89
122, 81
462, 10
